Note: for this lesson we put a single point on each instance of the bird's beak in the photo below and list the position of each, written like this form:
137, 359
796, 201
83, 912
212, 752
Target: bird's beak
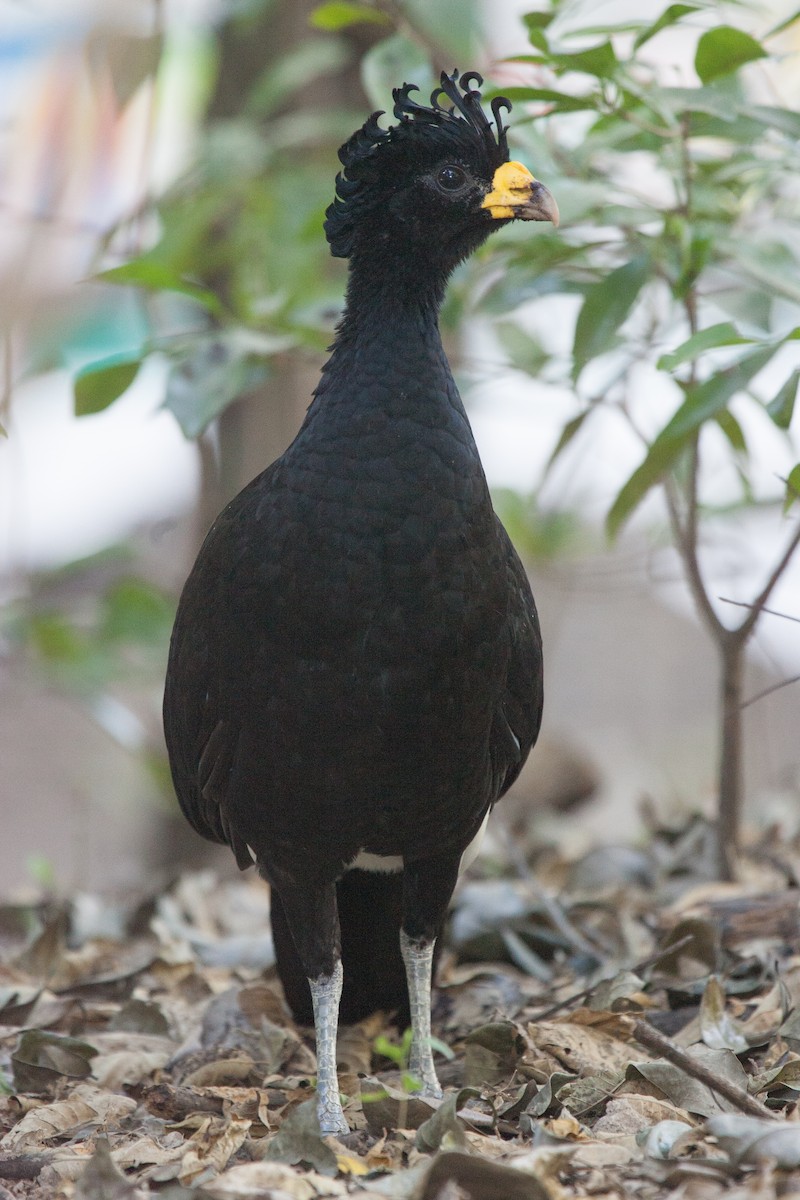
517, 195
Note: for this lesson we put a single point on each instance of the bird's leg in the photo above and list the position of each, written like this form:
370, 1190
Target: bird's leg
418, 958
311, 914
326, 991
427, 887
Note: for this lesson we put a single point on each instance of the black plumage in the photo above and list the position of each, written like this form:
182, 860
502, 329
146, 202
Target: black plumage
356, 664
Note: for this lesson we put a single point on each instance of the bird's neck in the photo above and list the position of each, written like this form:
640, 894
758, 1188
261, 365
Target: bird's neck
390, 327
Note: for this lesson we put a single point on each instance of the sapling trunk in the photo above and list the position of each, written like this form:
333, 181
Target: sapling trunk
731, 645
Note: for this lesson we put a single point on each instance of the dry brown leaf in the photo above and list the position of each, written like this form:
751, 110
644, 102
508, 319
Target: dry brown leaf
211, 1148
564, 1127
87, 1105
142, 1043
255, 1180
476, 1178
65, 1166
248, 1103
616, 1025
643, 1110
101, 1180
354, 1045
582, 1048
102, 961
48, 1121
606, 1154
219, 1071
546, 1164
127, 1066
149, 1151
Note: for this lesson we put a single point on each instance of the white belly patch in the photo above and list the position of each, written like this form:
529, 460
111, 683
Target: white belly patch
393, 862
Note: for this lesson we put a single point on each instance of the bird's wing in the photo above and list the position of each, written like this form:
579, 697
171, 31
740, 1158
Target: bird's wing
203, 748
519, 715
201, 724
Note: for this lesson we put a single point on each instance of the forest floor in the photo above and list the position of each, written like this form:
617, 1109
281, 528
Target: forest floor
616, 1026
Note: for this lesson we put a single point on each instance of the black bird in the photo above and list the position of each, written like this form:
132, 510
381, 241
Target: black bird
355, 673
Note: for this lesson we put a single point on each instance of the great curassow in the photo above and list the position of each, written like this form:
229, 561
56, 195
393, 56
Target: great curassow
355, 673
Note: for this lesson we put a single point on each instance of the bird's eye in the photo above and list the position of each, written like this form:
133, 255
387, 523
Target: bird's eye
451, 178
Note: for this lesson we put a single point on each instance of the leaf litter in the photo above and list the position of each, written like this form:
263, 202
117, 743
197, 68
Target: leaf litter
612, 1034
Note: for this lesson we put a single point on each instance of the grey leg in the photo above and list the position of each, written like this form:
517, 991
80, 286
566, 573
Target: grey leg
418, 958
326, 992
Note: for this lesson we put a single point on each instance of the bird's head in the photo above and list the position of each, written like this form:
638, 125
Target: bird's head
433, 186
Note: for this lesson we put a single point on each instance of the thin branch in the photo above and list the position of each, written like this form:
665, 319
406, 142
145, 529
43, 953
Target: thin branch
746, 627
7, 382
686, 541
577, 997
773, 612
776, 687
649, 1037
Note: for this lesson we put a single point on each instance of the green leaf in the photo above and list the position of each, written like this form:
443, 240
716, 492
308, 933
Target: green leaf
561, 101
670, 16
100, 384
135, 612
337, 14
703, 402
606, 306
526, 352
781, 408
569, 431
685, 100
724, 334
156, 277
732, 430
537, 20
792, 488
723, 50
538, 38
786, 120
599, 60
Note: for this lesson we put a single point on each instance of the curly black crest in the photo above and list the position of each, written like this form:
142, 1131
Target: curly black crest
364, 156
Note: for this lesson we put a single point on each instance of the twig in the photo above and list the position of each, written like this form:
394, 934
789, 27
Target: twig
22, 1166
686, 541
776, 687
7, 384
174, 1103
746, 627
773, 612
651, 1039
636, 970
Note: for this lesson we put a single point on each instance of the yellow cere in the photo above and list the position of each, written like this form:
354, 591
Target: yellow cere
511, 187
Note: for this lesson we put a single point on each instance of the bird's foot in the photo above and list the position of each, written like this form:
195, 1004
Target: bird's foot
331, 1117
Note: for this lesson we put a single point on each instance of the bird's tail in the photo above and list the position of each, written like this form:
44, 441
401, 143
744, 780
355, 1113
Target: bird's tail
370, 910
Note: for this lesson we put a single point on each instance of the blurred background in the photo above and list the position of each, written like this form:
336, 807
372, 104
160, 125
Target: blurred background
166, 298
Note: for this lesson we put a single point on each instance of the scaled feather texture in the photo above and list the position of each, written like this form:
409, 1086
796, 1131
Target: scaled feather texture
355, 672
